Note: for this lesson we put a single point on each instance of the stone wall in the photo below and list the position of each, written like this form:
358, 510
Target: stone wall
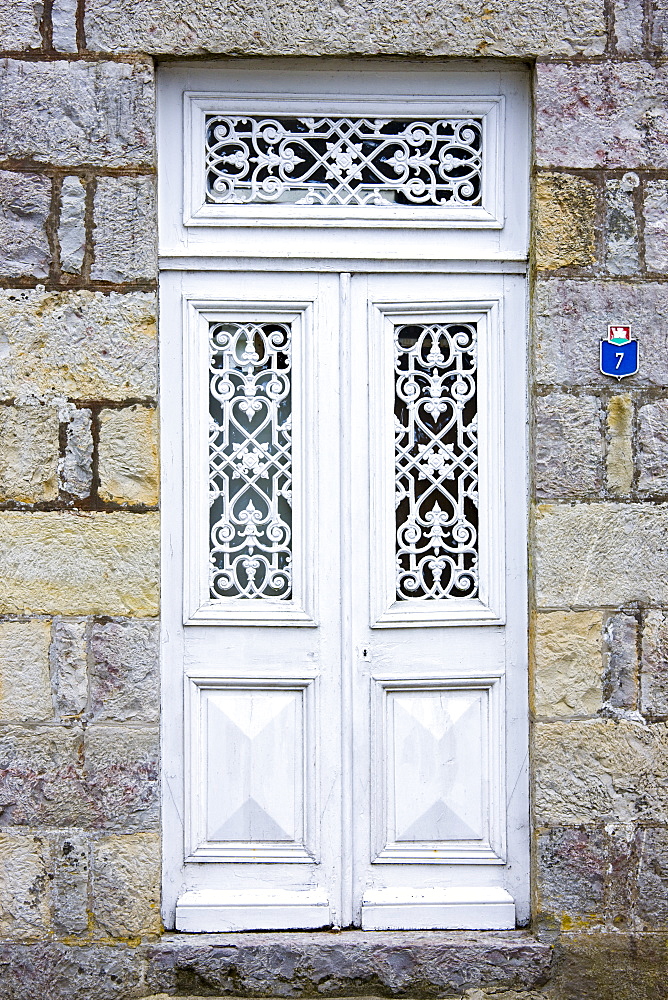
79, 825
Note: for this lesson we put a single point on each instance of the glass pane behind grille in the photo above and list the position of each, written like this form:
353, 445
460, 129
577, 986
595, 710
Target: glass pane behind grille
250, 460
436, 461
344, 161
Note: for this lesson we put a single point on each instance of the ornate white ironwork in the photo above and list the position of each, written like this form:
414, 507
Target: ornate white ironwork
344, 161
250, 460
436, 461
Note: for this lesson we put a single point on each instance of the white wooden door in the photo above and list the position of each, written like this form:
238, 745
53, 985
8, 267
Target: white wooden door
350, 650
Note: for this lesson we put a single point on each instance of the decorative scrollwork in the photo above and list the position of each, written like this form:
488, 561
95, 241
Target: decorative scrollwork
250, 460
436, 461
343, 161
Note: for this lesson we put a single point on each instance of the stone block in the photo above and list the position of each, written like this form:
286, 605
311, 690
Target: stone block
81, 345
654, 665
68, 657
565, 221
619, 458
25, 200
410, 27
567, 677
653, 448
600, 772
126, 885
570, 875
125, 671
71, 113
69, 872
19, 25
622, 253
656, 225
652, 902
77, 564
658, 27
628, 26
58, 971
609, 964
128, 456
41, 777
72, 225
24, 888
124, 232
569, 445
29, 454
572, 316
122, 767
25, 689
601, 555
606, 114
620, 661
75, 468
64, 25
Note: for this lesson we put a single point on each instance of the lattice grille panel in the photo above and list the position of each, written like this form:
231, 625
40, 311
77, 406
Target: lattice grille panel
344, 161
250, 460
436, 461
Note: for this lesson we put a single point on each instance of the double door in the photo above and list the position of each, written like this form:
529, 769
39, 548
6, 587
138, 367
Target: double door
344, 588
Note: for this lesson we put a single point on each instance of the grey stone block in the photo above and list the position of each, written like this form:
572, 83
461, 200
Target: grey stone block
71, 113
55, 971
652, 902
41, 781
656, 225
75, 468
571, 873
72, 225
64, 25
19, 25
609, 114
125, 671
69, 889
569, 445
68, 657
654, 665
124, 234
572, 317
298, 964
620, 661
25, 200
306, 27
628, 26
122, 769
653, 448
622, 255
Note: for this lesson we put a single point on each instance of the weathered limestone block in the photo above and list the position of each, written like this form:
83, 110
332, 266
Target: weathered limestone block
71, 113
620, 661
64, 24
24, 888
72, 225
29, 453
600, 555
124, 232
68, 657
122, 777
653, 447
126, 885
589, 772
617, 110
69, 865
570, 868
572, 316
25, 200
58, 971
75, 468
125, 671
19, 25
622, 252
628, 26
81, 345
652, 902
619, 459
128, 455
569, 445
656, 225
609, 964
41, 781
305, 27
77, 564
565, 221
567, 678
25, 689
658, 27
654, 665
